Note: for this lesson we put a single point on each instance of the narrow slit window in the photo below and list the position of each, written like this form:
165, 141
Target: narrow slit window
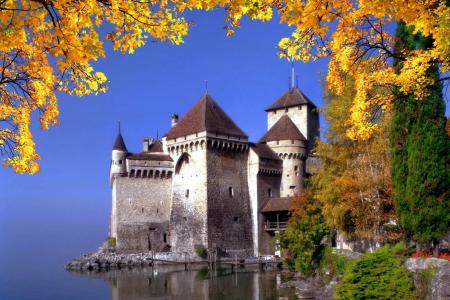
186, 194
269, 192
230, 192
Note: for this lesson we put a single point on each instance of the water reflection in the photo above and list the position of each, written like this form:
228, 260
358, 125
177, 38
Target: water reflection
171, 282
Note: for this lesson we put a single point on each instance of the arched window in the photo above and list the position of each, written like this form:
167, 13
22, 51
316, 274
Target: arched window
144, 174
182, 161
132, 173
138, 173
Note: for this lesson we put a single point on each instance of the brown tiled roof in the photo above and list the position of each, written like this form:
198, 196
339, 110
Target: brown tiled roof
293, 97
149, 156
119, 144
283, 129
277, 204
206, 115
264, 151
156, 147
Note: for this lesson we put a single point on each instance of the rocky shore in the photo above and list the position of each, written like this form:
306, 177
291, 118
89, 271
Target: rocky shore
103, 260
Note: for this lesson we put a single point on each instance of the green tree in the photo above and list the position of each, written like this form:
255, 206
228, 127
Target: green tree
420, 153
300, 242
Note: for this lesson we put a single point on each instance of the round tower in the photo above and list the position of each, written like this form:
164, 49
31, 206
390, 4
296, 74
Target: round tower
119, 153
286, 140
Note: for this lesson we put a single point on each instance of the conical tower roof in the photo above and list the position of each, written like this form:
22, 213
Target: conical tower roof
283, 129
119, 144
206, 115
293, 97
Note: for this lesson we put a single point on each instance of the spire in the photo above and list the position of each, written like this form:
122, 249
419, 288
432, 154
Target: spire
292, 74
119, 144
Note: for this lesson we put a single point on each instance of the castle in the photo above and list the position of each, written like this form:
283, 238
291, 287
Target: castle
205, 185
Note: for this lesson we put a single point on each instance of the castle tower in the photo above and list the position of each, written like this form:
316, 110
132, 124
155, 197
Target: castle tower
117, 169
300, 109
210, 200
286, 140
119, 153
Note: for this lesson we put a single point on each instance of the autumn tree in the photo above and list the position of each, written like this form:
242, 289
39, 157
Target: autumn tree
353, 180
301, 241
49, 46
420, 152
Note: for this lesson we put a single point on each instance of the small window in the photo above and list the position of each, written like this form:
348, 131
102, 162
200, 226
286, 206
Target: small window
235, 219
299, 108
187, 193
120, 162
230, 192
274, 112
278, 142
292, 187
165, 238
286, 110
269, 192
292, 141
138, 173
142, 210
295, 168
132, 173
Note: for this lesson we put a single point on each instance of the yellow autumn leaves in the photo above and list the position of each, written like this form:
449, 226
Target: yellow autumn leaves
48, 47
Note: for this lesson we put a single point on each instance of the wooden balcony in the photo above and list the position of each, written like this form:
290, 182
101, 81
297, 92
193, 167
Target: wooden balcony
275, 226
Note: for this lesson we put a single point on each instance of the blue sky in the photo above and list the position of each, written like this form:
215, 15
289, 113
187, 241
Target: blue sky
70, 197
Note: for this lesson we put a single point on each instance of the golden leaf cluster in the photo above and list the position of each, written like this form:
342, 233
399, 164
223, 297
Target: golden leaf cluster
48, 47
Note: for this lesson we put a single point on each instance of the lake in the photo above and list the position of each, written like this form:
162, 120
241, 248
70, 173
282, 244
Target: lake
173, 282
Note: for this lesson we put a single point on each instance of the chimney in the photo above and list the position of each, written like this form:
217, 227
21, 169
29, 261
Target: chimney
146, 145
174, 119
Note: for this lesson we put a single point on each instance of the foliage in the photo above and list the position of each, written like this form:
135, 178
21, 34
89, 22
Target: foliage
420, 153
111, 241
49, 46
378, 275
332, 264
353, 181
201, 252
300, 242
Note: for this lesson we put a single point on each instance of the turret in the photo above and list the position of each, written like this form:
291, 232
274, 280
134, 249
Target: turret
119, 153
286, 140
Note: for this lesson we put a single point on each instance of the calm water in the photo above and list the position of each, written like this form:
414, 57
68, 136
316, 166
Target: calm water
173, 282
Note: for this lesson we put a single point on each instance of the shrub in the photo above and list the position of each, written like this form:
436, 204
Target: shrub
332, 264
201, 252
377, 275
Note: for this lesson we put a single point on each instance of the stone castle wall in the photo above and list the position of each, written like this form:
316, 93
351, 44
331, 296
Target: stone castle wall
229, 212
189, 208
142, 213
266, 182
298, 115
